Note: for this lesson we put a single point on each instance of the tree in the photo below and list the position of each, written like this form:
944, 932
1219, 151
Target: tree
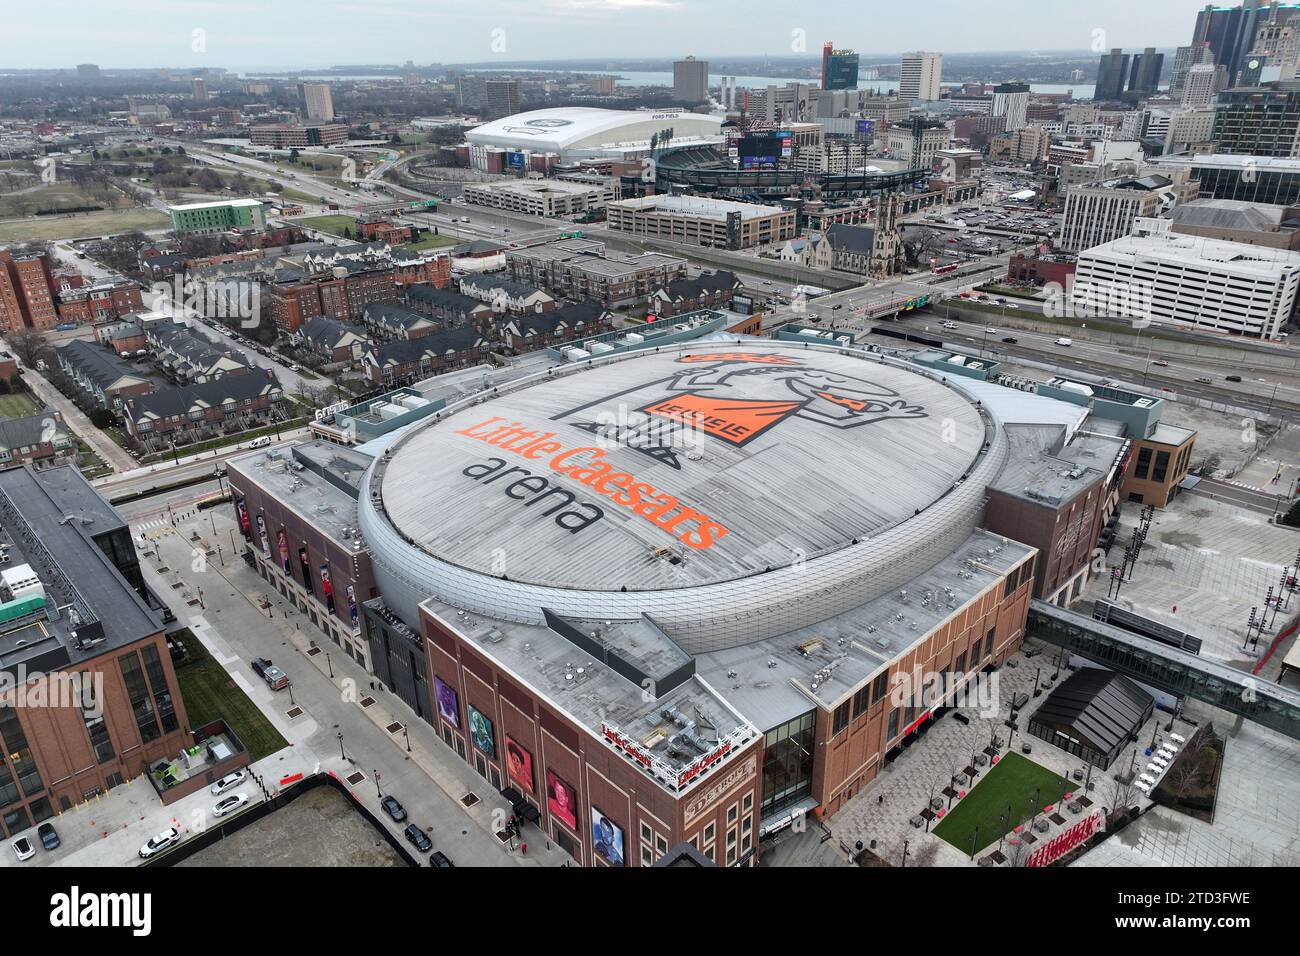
28, 344
101, 418
1292, 517
293, 155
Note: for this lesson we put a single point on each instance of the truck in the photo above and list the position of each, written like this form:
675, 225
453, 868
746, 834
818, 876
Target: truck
810, 291
1065, 342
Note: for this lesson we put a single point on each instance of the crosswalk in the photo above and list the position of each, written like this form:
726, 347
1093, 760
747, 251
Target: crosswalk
154, 529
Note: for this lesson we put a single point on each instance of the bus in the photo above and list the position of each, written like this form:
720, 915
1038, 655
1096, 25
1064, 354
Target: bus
941, 270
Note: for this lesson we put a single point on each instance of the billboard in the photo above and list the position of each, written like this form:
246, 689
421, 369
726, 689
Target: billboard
327, 587
562, 801
864, 127
243, 519
261, 534
515, 160
519, 764
448, 704
305, 560
841, 71
352, 605
284, 552
760, 151
480, 732
787, 143
606, 838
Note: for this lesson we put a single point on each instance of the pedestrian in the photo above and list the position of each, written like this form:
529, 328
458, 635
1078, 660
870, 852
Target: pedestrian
523, 848
880, 800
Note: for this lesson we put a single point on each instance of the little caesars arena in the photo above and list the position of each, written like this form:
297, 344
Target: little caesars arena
662, 595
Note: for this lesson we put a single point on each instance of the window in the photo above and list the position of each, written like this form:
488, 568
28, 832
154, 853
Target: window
1143, 464
892, 731
960, 667
1162, 466
841, 718
748, 803
647, 858
880, 687
988, 641
710, 832
733, 811
1010, 586
646, 833
861, 700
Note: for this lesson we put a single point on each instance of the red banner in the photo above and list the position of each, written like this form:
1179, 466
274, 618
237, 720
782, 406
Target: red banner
1065, 841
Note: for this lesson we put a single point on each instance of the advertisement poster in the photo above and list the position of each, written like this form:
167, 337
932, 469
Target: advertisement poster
448, 704
562, 801
519, 764
352, 605
326, 587
284, 552
261, 534
305, 561
243, 519
606, 838
480, 732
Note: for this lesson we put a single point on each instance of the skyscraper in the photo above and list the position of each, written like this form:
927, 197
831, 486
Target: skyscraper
1012, 101
1186, 58
691, 80
1145, 74
199, 89
1264, 121
919, 76
839, 69
1111, 73
317, 101
502, 98
1232, 32
1203, 83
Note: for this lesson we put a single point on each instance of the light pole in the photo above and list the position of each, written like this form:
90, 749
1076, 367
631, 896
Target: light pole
406, 732
329, 664
341, 753
378, 792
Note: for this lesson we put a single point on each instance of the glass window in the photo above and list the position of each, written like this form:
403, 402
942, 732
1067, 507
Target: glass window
162, 694
138, 694
15, 745
880, 687
960, 667
788, 763
892, 730
1162, 466
1143, 464
841, 718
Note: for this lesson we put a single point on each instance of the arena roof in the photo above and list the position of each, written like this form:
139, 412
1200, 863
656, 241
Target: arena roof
561, 129
795, 454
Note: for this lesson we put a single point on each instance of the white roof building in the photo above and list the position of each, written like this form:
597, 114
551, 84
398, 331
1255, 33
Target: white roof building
587, 132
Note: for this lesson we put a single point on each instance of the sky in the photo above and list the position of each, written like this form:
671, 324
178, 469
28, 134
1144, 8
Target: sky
296, 34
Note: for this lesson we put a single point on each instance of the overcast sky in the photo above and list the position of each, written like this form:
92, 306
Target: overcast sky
290, 34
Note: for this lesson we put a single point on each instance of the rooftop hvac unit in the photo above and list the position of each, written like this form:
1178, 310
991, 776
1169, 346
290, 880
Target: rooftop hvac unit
388, 411
577, 355
600, 348
22, 582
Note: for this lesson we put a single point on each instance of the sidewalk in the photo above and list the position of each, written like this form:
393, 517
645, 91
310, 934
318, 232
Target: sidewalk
107, 449
430, 780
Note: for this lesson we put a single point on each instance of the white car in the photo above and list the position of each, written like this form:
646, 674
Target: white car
228, 781
229, 804
23, 849
162, 841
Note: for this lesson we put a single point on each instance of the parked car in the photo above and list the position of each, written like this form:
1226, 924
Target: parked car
259, 665
169, 837
393, 808
229, 780
49, 837
439, 859
229, 804
23, 849
418, 838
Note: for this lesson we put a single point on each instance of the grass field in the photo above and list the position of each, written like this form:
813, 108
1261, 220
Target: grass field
334, 225
1009, 785
430, 241
17, 405
106, 223
209, 694
60, 195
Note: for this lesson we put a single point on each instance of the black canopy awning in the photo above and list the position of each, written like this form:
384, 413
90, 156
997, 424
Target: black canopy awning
526, 811
512, 796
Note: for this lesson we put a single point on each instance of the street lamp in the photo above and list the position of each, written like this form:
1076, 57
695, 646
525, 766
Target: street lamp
341, 753
329, 664
406, 732
378, 792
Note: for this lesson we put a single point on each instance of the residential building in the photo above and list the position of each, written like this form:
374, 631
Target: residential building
100, 301
920, 75
335, 342
501, 98
1012, 101
532, 331
386, 321
39, 440
690, 80
99, 377
185, 414
506, 295
683, 295
187, 355
918, 142
317, 102
406, 360
221, 216
585, 269
1185, 58
1202, 85
450, 309
27, 294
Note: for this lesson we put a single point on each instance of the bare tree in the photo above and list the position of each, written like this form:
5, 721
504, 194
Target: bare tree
28, 344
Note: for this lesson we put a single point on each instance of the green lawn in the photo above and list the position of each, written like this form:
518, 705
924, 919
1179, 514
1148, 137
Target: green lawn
210, 694
334, 225
1010, 784
430, 241
17, 405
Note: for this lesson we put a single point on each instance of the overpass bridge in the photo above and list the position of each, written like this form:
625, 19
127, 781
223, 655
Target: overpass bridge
1168, 668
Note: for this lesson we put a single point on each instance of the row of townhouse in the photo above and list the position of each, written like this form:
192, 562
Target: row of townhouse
406, 360
40, 440
193, 413
539, 330
334, 342
190, 356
